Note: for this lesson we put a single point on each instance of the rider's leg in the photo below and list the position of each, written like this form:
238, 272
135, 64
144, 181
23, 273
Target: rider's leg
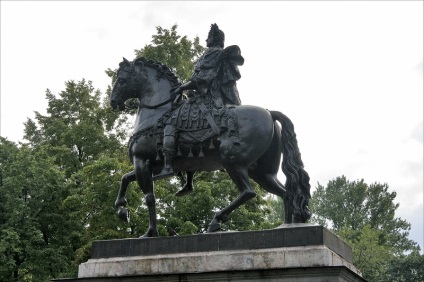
169, 139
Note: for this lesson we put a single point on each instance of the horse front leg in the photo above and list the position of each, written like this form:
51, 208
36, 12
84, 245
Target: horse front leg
143, 172
241, 180
121, 201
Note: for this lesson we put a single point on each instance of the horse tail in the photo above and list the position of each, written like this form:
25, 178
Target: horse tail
297, 179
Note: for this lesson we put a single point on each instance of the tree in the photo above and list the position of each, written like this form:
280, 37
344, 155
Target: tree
364, 215
75, 127
90, 203
406, 268
35, 243
169, 48
346, 204
83, 138
368, 254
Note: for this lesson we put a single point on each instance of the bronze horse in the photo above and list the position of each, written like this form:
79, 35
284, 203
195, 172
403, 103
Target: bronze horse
256, 155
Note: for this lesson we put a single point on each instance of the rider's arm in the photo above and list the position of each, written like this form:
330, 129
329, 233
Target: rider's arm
179, 91
187, 86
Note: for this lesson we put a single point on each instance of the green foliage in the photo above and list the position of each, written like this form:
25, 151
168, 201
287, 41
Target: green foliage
346, 204
188, 228
75, 127
364, 216
368, 254
61, 185
406, 268
34, 244
93, 191
276, 216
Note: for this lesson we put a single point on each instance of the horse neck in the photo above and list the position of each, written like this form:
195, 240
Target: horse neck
149, 117
153, 92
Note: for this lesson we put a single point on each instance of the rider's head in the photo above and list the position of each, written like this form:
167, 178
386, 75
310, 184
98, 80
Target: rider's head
216, 37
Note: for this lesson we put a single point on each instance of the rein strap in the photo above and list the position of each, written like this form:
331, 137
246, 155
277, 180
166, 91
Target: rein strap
144, 106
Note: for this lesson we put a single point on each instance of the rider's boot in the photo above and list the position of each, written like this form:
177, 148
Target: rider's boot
168, 153
167, 169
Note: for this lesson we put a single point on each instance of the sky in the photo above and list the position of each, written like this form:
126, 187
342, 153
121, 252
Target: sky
349, 74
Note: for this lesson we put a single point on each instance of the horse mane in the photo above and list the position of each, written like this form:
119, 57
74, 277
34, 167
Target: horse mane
161, 69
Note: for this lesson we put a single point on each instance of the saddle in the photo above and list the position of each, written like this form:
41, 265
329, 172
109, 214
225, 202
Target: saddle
198, 122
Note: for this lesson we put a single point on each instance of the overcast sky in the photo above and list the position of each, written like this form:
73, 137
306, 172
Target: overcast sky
349, 74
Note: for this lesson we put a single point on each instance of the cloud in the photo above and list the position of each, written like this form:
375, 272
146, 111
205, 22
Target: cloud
99, 32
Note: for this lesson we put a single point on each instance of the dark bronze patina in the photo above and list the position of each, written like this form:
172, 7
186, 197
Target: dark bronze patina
206, 131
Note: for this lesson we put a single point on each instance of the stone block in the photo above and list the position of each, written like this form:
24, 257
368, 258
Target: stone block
293, 252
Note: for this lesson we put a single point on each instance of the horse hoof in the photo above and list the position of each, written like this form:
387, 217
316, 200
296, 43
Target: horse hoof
124, 214
150, 233
214, 227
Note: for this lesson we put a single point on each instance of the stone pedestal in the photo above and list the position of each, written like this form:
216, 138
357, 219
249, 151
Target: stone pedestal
293, 252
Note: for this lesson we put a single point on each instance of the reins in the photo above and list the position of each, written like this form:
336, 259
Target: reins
145, 106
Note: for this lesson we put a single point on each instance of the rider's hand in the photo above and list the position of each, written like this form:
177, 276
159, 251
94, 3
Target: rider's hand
178, 94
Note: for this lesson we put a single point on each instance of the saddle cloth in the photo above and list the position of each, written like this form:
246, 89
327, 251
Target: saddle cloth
192, 125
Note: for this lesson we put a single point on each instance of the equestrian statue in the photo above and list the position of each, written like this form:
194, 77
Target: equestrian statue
206, 130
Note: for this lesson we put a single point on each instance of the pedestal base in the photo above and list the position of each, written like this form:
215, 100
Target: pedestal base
295, 252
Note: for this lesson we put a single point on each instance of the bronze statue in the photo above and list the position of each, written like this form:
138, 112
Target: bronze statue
208, 131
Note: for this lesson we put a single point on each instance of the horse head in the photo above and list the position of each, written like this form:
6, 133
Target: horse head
149, 81
127, 83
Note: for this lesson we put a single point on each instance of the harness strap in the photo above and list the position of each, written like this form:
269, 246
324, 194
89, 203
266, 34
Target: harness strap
173, 95
208, 116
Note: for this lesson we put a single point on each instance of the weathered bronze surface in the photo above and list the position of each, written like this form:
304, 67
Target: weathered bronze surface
210, 130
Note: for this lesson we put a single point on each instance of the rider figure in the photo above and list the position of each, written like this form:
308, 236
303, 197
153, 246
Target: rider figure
215, 75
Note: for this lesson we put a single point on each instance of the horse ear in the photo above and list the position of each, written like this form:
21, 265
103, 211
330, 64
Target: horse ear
126, 61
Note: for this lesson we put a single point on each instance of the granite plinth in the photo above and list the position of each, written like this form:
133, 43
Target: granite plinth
289, 235
295, 252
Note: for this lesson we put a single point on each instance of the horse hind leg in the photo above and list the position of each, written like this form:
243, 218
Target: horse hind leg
270, 183
121, 201
240, 178
188, 187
